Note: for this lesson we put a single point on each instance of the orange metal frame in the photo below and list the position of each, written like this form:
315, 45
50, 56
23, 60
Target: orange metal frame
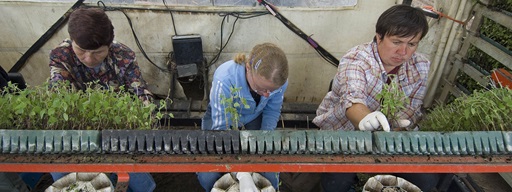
159, 163
252, 162
502, 77
271, 167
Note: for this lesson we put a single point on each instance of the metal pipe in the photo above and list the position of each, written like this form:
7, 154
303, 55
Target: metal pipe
436, 68
455, 33
262, 167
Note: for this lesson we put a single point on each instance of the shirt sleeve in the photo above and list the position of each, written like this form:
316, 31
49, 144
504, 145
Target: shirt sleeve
351, 84
348, 87
132, 75
134, 79
272, 110
220, 120
60, 69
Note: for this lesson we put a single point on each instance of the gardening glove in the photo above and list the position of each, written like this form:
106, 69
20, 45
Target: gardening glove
373, 121
246, 182
402, 125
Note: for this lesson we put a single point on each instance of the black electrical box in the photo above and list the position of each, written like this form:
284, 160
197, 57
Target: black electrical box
188, 49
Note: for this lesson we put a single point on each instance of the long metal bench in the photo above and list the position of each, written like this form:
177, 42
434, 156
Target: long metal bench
124, 151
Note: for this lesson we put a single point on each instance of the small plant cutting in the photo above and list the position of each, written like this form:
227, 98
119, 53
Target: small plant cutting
59, 107
484, 110
392, 100
232, 106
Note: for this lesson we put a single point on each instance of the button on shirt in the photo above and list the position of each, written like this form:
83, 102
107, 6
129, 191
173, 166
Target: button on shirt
119, 68
360, 78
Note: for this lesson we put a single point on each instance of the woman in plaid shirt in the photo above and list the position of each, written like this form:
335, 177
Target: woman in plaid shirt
362, 73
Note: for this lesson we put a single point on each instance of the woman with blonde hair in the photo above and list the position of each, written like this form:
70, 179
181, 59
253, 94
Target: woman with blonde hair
257, 83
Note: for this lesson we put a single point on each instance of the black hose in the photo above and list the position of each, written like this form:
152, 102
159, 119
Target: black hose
44, 38
324, 53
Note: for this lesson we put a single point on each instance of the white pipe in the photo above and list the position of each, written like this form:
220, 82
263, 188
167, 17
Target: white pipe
454, 40
448, 48
442, 53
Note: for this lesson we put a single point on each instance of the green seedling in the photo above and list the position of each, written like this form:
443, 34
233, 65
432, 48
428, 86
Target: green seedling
61, 107
393, 100
233, 105
484, 110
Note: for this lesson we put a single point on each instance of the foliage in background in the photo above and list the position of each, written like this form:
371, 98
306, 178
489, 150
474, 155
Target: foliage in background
392, 99
497, 33
232, 106
484, 110
59, 107
504, 5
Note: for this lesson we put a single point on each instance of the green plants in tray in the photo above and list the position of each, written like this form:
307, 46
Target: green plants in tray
484, 110
58, 107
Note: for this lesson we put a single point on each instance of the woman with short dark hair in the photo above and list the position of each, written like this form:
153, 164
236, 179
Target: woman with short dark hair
91, 57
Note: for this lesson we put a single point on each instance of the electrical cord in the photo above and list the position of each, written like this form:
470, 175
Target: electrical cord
237, 15
222, 46
44, 38
323, 53
440, 14
172, 66
172, 17
226, 16
101, 4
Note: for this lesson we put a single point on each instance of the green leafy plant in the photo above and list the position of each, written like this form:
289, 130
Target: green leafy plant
60, 107
483, 62
484, 110
232, 106
161, 107
504, 5
392, 99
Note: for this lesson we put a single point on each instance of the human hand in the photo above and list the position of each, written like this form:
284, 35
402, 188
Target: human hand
146, 103
401, 125
246, 182
373, 121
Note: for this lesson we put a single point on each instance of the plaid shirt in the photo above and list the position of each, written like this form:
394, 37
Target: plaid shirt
119, 68
360, 78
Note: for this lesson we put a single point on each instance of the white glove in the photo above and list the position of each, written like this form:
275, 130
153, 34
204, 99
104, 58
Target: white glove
373, 121
403, 123
246, 182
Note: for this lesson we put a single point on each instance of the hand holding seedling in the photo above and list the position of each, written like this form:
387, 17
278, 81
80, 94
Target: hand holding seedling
393, 100
373, 121
402, 125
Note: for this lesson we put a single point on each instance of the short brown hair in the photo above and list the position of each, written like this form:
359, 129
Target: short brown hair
267, 60
90, 28
403, 21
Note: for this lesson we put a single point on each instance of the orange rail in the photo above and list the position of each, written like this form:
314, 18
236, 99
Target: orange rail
256, 162
160, 163
271, 167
